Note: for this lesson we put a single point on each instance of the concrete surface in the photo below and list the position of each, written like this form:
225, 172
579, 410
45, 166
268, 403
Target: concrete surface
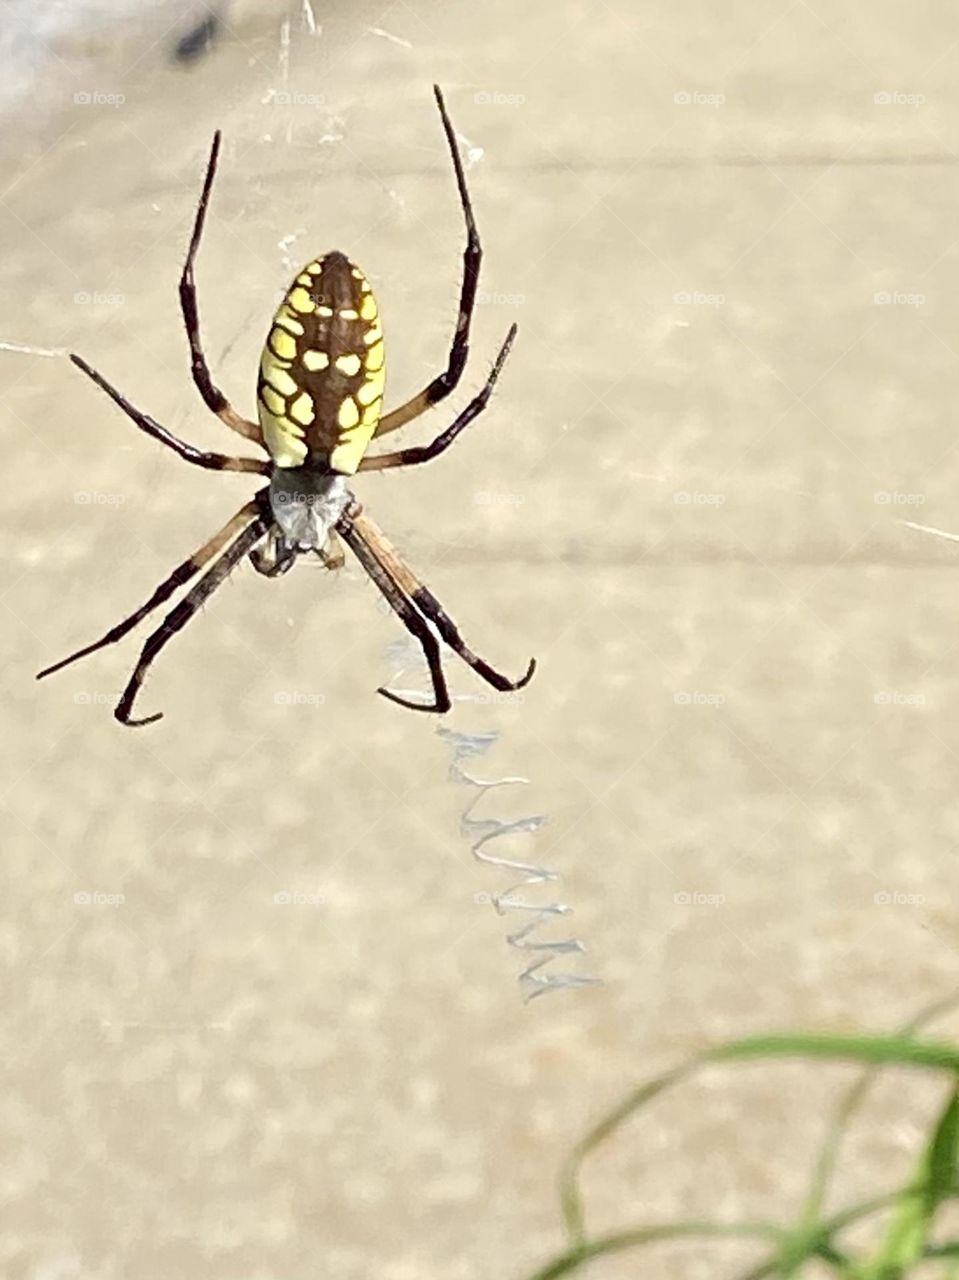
684, 500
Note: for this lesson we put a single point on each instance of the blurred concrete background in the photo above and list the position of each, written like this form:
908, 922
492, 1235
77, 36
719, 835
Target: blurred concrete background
729, 239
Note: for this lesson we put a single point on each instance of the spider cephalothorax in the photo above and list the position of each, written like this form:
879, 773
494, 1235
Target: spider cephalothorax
319, 403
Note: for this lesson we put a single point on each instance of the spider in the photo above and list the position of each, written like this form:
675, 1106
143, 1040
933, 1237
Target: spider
319, 402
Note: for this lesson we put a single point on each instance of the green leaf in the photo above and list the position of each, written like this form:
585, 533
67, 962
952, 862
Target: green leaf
908, 1232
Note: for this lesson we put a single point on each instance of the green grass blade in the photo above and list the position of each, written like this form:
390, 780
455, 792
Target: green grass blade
881, 1050
578, 1255
908, 1233
846, 1109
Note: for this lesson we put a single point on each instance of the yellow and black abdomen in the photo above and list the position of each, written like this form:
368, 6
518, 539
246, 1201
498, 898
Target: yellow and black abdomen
320, 389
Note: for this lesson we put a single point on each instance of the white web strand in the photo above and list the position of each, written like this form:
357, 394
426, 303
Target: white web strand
926, 528
482, 832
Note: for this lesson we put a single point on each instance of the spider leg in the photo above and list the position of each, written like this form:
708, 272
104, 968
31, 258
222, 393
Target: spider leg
426, 603
180, 575
423, 453
403, 607
178, 617
213, 397
200, 458
444, 383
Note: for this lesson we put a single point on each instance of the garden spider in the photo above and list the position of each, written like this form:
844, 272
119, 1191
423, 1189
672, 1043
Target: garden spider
319, 400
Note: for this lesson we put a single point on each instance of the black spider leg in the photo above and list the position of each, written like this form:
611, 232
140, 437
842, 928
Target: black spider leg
432, 609
213, 397
444, 383
405, 610
180, 575
424, 453
423, 600
199, 458
177, 618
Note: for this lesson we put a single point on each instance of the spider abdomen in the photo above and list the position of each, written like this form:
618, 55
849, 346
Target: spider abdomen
320, 388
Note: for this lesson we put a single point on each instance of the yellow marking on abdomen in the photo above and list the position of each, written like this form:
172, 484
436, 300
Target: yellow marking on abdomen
288, 322
301, 301
347, 415
272, 399
302, 409
374, 357
278, 378
282, 344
